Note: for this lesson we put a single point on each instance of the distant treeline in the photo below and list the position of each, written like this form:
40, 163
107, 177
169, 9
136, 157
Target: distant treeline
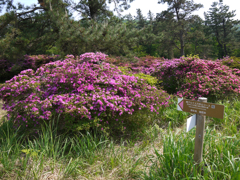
49, 28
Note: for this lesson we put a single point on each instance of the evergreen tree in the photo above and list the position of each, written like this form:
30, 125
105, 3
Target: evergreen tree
179, 17
33, 30
140, 19
166, 25
40, 28
150, 16
221, 26
148, 41
93, 9
111, 37
196, 37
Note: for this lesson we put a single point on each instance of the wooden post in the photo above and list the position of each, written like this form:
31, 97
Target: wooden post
200, 126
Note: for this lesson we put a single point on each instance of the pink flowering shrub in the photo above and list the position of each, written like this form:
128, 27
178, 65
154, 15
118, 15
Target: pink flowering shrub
84, 92
144, 65
232, 62
35, 61
9, 69
193, 78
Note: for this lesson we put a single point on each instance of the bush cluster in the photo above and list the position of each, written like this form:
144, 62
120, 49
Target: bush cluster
191, 77
90, 91
9, 69
144, 65
232, 62
153, 81
83, 91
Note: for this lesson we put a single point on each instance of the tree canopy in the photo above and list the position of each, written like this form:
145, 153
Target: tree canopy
50, 28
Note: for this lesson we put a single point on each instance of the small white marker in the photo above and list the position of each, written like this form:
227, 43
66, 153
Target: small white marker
178, 107
191, 122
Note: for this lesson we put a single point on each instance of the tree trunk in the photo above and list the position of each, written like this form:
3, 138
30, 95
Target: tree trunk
225, 50
195, 49
182, 44
224, 36
219, 44
170, 53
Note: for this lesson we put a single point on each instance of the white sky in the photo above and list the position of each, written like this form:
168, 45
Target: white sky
146, 5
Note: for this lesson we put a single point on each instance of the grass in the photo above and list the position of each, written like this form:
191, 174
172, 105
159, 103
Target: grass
2, 112
163, 150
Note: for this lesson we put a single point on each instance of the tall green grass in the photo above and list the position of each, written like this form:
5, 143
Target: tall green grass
161, 150
220, 157
221, 151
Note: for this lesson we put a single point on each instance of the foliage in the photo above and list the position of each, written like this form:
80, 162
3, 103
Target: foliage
160, 151
30, 31
51, 29
189, 56
177, 19
232, 62
145, 65
221, 25
4, 69
9, 69
190, 77
197, 41
35, 61
85, 91
193, 78
220, 157
93, 9
111, 37
153, 81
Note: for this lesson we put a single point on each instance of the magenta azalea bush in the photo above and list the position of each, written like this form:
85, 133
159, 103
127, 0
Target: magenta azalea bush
8, 69
144, 65
35, 61
193, 78
83, 91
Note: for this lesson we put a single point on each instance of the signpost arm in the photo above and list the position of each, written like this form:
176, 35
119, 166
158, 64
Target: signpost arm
200, 126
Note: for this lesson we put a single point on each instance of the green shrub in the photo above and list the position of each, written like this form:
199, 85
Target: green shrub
153, 81
85, 93
232, 62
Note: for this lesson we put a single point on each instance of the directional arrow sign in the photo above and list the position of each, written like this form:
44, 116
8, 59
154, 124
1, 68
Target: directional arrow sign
205, 109
180, 107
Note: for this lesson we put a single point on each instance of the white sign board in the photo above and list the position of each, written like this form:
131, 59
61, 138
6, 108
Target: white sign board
191, 122
178, 107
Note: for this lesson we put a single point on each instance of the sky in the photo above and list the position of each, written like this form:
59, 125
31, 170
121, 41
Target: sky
146, 5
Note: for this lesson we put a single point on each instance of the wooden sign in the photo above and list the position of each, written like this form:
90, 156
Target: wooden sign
202, 108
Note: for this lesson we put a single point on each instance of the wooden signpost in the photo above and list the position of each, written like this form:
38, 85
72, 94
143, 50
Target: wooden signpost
201, 109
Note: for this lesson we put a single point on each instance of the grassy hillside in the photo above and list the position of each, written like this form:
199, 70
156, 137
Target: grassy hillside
88, 119
162, 151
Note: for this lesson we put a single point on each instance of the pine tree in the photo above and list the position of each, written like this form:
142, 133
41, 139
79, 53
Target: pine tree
111, 37
196, 37
30, 30
93, 9
33, 32
150, 16
221, 26
141, 21
179, 14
